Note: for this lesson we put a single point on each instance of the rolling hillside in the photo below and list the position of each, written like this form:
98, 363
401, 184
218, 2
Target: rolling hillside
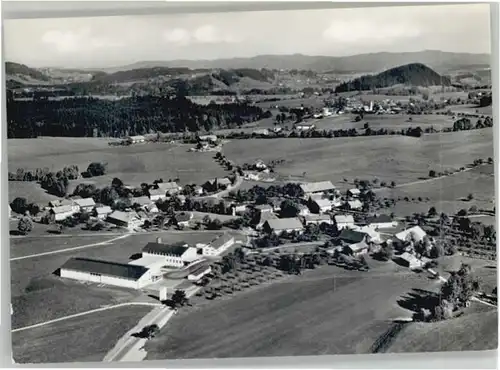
415, 74
361, 63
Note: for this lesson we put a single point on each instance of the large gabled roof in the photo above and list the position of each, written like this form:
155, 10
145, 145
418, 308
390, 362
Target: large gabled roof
314, 187
121, 270
284, 223
177, 249
352, 236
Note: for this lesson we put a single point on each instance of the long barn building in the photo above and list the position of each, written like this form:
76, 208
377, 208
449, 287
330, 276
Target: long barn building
110, 273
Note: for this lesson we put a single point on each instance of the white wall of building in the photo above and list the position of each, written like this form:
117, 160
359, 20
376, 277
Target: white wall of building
63, 215
109, 280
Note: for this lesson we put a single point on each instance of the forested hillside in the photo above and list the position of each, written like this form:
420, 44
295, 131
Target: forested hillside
414, 74
80, 117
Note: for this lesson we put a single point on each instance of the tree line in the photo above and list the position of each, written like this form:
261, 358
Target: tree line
90, 117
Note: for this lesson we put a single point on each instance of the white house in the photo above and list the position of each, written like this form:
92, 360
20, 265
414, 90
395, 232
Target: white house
62, 212
174, 255
381, 222
102, 212
318, 219
410, 261
218, 245
344, 221
151, 208
303, 210
304, 126
320, 205
353, 193
65, 202
280, 225
169, 188
371, 232
141, 201
356, 242
106, 272
157, 194
415, 233
199, 272
136, 139
208, 138
260, 165
183, 218
317, 188
263, 208
125, 219
355, 204
85, 204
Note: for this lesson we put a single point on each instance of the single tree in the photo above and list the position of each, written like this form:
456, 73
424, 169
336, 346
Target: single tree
25, 225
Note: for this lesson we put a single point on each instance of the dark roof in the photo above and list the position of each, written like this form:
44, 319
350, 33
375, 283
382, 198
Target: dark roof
379, 219
176, 249
351, 236
121, 270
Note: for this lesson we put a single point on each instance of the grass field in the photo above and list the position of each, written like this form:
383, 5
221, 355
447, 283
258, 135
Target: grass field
470, 109
389, 122
399, 158
447, 194
29, 190
471, 332
132, 164
317, 313
86, 338
32, 245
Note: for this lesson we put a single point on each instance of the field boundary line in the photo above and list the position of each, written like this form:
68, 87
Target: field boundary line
86, 313
70, 249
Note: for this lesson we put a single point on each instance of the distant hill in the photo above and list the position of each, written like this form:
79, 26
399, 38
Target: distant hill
16, 71
414, 74
361, 63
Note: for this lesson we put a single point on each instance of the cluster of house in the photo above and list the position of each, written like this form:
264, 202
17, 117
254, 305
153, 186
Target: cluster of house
258, 171
207, 143
157, 259
318, 205
60, 210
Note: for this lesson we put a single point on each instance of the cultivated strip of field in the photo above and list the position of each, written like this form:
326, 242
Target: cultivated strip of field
84, 338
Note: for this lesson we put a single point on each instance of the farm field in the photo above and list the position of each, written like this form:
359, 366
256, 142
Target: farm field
283, 318
86, 338
29, 245
389, 122
470, 109
132, 164
448, 194
390, 158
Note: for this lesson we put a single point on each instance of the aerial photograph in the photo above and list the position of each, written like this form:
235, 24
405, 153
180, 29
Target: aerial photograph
251, 184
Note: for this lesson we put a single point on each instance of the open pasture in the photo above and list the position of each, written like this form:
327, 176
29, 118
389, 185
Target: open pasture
295, 317
448, 194
31, 191
85, 338
469, 109
394, 122
133, 164
389, 158
471, 332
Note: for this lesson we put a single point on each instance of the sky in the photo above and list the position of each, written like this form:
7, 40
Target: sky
114, 41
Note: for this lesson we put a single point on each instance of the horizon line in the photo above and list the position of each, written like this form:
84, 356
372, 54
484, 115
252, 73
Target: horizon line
243, 57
